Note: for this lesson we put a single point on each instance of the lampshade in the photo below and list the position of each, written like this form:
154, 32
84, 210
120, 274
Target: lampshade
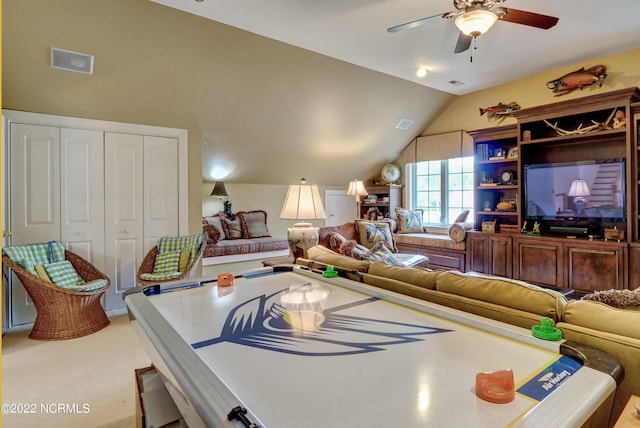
579, 188
476, 21
302, 203
356, 188
219, 190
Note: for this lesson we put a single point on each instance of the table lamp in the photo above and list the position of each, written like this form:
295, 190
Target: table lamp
357, 189
220, 192
578, 190
302, 203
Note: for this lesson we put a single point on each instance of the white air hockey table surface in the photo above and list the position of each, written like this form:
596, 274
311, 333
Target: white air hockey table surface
378, 359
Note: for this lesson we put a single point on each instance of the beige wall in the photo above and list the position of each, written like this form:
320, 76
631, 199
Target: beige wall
260, 104
463, 113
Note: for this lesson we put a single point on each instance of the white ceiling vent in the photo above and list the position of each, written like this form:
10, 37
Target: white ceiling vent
71, 61
404, 124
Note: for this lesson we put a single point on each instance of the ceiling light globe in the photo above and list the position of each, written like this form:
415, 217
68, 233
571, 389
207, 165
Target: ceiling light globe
476, 21
422, 72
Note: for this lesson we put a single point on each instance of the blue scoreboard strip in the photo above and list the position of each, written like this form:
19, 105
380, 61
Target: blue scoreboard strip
540, 386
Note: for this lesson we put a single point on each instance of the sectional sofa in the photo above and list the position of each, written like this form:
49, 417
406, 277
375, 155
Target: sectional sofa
613, 330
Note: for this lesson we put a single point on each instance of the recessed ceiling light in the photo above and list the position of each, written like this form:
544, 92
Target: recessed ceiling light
455, 82
421, 72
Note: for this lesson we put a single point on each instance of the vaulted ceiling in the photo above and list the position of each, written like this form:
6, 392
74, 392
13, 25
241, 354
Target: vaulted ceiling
355, 31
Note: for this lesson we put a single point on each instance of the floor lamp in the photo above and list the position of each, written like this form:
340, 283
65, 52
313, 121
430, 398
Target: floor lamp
303, 202
357, 189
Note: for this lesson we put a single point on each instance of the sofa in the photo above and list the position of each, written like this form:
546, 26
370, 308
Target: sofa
242, 237
364, 240
613, 330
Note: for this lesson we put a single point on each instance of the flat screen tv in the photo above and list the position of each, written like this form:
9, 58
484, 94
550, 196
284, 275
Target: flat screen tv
586, 191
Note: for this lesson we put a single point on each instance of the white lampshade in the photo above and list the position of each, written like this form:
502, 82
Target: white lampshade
356, 188
476, 21
303, 202
579, 188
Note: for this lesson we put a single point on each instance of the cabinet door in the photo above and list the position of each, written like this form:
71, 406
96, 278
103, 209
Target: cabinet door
500, 255
596, 266
34, 200
538, 261
477, 253
490, 254
82, 193
160, 189
124, 218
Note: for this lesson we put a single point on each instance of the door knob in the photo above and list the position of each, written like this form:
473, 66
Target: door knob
6, 233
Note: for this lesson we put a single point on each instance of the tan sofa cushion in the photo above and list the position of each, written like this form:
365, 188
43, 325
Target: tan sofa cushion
417, 276
324, 255
602, 317
505, 292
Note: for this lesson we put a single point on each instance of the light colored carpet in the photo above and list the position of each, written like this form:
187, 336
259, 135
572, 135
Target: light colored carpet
84, 382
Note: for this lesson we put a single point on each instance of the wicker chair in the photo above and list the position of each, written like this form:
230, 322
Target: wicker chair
63, 313
148, 264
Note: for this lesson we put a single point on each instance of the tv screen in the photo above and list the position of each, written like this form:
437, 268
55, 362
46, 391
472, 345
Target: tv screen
587, 190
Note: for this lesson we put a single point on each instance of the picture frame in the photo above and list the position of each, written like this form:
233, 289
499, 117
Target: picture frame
513, 153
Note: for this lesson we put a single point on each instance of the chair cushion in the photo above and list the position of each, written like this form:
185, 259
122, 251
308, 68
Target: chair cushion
191, 243
63, 273
88, 286
159, 276
29, 255
42, 274
167, 262
183, 262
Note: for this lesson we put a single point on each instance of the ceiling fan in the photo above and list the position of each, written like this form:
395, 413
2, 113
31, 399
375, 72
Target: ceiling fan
475, 17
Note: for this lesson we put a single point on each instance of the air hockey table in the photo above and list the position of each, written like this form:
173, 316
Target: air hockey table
295, 349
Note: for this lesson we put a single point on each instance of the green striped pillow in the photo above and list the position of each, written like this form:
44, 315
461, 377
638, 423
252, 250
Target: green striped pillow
167, 262
63, 273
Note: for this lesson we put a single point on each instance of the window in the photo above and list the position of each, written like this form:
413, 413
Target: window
442, 188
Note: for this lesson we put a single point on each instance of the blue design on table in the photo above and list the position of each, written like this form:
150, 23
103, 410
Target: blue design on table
262, 323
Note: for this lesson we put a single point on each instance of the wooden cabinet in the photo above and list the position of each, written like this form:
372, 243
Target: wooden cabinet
381, 201
490, 253
590, 130
595, 265
538, 260
496, 175
570, 263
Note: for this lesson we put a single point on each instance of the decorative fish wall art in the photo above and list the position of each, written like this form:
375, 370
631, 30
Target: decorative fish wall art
578, 80
500, 110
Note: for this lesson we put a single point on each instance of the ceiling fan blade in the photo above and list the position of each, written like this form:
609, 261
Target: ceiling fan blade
463, 43
529, 18
412, 24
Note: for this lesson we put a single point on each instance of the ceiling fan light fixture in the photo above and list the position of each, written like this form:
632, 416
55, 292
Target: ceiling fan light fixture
476, 21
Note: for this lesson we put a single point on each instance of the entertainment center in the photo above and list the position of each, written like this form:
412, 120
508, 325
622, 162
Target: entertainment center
555, 188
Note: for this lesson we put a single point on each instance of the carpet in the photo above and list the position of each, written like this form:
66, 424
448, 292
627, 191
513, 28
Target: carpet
83, 382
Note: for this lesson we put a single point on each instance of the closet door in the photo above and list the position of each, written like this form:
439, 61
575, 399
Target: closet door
34, 201
82, 193
124, 218
161, 189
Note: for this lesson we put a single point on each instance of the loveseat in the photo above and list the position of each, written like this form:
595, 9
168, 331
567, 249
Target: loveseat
613, 330
243, 237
